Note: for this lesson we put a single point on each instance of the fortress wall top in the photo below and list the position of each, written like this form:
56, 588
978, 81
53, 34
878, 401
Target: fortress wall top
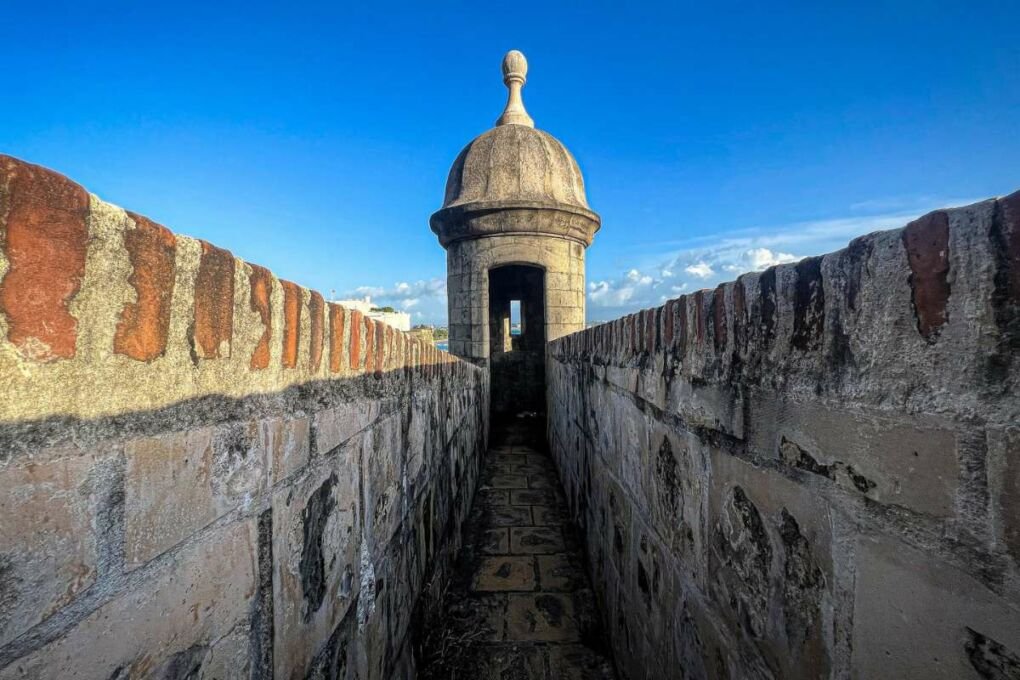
812, 471
104, 312
206, 470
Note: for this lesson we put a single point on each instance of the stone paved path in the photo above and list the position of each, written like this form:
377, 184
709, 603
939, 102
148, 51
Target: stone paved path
520, 605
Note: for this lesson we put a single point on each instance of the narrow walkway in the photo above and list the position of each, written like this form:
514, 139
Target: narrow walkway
520, 606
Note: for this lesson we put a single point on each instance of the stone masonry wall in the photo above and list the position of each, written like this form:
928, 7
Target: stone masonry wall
205, 471
813, 471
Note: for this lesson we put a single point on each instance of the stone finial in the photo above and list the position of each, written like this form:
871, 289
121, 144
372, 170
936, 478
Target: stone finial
515, 74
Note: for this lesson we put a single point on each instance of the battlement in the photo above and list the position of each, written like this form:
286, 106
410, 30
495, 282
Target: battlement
204, 466
812, 471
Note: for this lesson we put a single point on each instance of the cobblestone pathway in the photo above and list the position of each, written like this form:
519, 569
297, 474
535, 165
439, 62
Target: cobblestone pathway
520, 604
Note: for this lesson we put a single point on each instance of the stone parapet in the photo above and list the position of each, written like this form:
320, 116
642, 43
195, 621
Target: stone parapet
810, 471
206, 471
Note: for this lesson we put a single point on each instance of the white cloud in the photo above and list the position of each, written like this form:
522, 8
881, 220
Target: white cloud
700, 269
426, 297
705, 261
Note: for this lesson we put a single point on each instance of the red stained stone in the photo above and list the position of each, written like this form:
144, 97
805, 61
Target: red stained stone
926, 241
380, 348
291, 323
369, 344
142, 331
214, 303
261, 290
43, 233
316, 307
390, 340
355, 339
336, 338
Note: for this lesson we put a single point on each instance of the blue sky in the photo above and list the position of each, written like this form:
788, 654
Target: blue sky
714, 138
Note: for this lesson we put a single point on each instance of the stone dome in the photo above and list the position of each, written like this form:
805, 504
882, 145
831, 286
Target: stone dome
513, 164
515, 179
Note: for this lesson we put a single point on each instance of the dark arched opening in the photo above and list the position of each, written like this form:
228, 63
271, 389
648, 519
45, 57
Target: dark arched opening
517, 339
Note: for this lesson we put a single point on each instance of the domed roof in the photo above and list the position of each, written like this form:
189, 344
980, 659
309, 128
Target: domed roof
515, 179
515, 163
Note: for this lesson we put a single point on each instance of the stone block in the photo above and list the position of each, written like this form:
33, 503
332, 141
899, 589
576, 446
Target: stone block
382, 481
536, 540
770, 566
287, 443
179, 618
177, 484
711, 407
542, 617
1004, 475
316, 561
562, 571
47, 541
910, 462
916, 618
504, 573
335, 426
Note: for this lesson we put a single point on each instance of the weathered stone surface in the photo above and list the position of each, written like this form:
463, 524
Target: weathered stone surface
193, 490
731, 455
167, 626
177, 484
1004, 471
144, 324
316, 558
543, 617
287, 444
48, 549
43, 233
915, 618
214, 303
505, 573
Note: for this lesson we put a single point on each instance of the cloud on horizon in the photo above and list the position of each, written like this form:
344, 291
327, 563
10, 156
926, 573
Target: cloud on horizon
424, 300
688, 265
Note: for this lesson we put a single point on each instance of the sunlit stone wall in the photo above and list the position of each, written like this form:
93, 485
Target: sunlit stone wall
205, 471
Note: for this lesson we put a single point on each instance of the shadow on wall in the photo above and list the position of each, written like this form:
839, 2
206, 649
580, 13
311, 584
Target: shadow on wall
812, 471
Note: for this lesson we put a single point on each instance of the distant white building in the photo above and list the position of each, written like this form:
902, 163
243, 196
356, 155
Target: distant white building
399, 320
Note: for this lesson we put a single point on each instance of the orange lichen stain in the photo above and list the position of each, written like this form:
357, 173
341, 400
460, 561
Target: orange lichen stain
43, 233
336, 338
370, 347
355, 339
380, 348
261, 281
316, 307
291, 323
144, 324
214, 303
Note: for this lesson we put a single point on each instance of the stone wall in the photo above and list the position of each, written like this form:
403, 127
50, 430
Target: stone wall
205, 471
813, 471
468, 263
